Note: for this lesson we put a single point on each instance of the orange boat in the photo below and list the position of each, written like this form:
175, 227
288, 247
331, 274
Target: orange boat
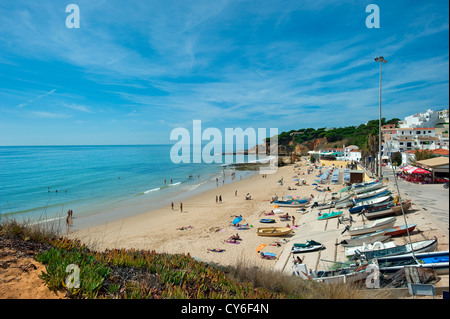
399, 230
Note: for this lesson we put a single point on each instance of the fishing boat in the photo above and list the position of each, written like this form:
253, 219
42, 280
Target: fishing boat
365, 239
368, 203
379, 213
273, 231
378, 224
419, 246
344, 204
371, 193
293, 203
398, 208
325, 206
438, 261
368, 188
309, 246
365, 247
344, 198
330, 215
399, 230
359, 200
365, 184
341, 275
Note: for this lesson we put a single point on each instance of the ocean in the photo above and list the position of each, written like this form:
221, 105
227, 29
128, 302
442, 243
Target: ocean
99, 183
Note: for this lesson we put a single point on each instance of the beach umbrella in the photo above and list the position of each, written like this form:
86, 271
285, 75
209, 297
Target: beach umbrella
260, 247
418, 170
237, 220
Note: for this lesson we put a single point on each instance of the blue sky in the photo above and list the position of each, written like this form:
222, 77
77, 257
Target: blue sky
135, 70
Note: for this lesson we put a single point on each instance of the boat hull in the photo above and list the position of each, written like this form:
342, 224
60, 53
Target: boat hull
399, 230
377, 225
398, 209
422, 246
330, 215
273, 231
438, 261
345, 278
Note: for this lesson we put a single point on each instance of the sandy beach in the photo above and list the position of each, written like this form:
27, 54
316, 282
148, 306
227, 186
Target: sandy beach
205, 225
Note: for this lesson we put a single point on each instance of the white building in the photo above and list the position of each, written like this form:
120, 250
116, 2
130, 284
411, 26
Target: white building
427, 119
407, 139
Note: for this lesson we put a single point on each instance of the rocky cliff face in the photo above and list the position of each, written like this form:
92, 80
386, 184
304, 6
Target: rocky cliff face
302, 149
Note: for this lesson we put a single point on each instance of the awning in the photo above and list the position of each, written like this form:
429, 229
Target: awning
415, 170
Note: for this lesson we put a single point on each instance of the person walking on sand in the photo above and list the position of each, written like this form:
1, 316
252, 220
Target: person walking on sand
293, 220
220, 198
181, 207
172, 205
217, 199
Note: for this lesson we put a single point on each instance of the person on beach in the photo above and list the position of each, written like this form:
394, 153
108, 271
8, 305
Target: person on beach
220, 198
235, 193
234, 238
293, 220
181, 207
171, 204
298, 260
217, 199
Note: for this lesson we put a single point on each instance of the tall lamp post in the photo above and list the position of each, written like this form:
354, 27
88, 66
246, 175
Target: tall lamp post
381, 60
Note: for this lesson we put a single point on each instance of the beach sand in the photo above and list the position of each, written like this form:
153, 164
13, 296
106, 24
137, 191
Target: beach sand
211, 223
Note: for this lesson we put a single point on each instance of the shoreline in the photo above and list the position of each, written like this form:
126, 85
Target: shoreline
208, 225
138, 208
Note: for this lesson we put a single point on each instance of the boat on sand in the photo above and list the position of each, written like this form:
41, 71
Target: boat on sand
378, 224
273, 231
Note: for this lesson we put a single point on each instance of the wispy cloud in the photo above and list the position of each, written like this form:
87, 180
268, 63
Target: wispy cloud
50, 115
21, 105
77, 107
286, 64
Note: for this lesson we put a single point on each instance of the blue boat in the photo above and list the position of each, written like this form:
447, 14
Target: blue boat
438, 261
267, 220
359, 200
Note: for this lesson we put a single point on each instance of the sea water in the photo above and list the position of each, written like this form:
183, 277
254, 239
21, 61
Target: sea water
41, 183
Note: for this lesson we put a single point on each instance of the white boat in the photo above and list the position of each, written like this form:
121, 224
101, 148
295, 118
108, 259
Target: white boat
378, 224
365, 184
375, 200
419, 246
341, 276
344, 204
367, 239
338, 276
371, 193
365, 247
368, 188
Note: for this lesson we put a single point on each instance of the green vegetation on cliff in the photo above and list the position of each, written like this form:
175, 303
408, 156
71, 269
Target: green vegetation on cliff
350, 135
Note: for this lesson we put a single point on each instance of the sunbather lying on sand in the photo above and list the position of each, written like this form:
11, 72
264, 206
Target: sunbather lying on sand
233, 239
184, 228
216, 250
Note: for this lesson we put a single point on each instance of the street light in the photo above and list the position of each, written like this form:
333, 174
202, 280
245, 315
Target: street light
381, 60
